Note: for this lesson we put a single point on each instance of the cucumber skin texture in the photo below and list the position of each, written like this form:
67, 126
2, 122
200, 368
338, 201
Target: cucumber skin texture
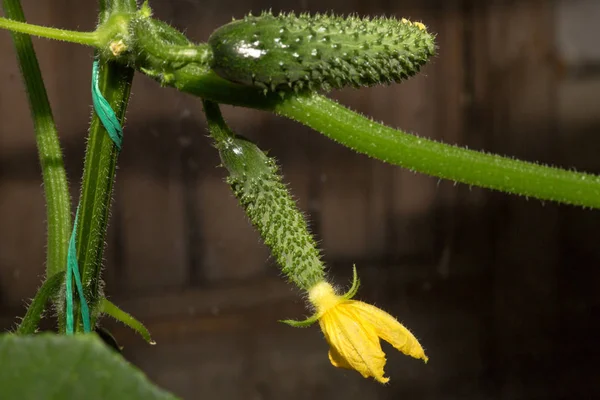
286, 52
257, 184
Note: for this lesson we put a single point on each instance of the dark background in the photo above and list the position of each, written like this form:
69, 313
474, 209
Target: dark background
501, 291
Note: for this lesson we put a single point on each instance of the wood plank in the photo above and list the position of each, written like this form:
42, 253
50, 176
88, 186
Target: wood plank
577, 33
231, 247
150, 192
22, 241
214, 300
153, 232
411, 106
257, 341
346, 201
525, 262
578, 124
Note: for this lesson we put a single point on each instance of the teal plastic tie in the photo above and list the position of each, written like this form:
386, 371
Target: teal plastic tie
104, 110
73, 271
115, 132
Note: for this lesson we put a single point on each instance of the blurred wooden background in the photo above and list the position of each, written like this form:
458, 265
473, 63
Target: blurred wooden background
501, 290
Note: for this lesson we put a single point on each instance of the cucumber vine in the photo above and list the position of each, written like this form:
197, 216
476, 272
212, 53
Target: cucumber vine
279, 63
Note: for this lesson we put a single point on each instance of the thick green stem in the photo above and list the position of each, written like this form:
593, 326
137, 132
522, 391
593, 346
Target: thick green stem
444, 161
85, 38
162, 42
53, 171
200, 54
99, 171
400, 148
98, 178
200, 81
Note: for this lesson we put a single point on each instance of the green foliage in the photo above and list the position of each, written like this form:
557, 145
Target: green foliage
69, 367
319, 51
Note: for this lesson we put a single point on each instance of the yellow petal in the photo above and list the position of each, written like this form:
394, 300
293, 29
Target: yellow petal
353, 345
389, 329
337, 360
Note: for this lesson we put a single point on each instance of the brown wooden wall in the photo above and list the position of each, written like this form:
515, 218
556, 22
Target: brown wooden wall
501, 290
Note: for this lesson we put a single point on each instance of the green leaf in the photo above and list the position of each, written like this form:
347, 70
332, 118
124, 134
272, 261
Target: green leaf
69, 367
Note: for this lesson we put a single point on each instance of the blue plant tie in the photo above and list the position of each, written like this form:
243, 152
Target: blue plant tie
104, 110
73, 270
115, 132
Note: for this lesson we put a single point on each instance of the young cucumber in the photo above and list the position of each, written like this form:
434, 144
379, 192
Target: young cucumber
286, 51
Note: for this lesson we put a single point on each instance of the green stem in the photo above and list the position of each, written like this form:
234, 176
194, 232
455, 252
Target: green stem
200, 54
157, 39
200, 81
110, 309
442, 160
114, 82
50, 154
49, 289
217, 127
99, 170
49, 151
108, 7
400, 148
98, 178
85, 38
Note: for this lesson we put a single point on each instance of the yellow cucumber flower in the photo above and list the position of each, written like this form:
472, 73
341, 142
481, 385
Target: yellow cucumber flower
353, 329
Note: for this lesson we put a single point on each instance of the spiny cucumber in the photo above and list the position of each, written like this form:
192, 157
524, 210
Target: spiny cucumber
295, 52
257, 185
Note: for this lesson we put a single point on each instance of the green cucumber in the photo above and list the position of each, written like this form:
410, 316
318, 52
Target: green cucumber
256, 183
317, 52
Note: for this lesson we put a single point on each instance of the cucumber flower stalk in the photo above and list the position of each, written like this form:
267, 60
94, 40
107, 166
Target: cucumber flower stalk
353, 330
